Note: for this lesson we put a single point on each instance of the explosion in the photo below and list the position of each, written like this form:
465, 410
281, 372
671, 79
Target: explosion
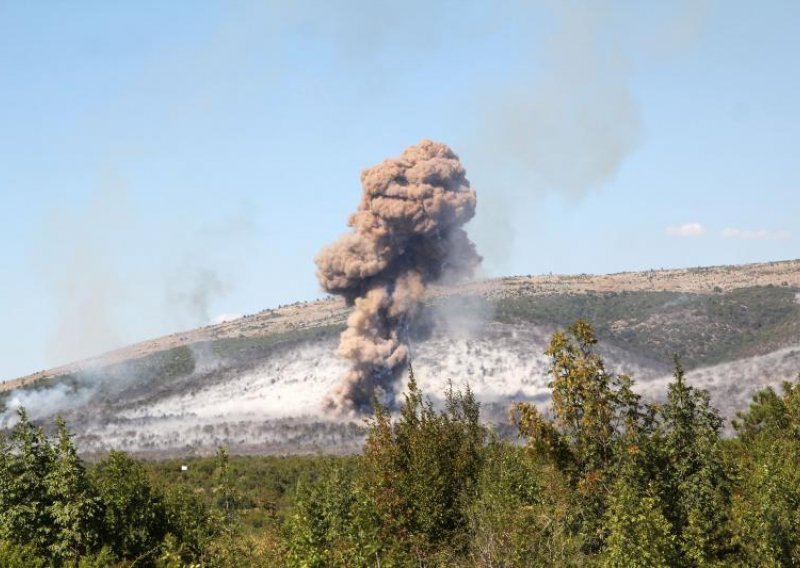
407, 233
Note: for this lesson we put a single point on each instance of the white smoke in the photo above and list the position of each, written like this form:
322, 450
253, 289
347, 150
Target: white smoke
101, 302
43, 403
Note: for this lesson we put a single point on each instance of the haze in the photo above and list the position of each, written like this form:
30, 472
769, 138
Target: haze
166, 165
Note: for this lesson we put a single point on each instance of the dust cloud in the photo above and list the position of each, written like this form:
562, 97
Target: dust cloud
407, 233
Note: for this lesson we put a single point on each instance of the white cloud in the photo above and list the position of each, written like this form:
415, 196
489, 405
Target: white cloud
686, 230
758, 234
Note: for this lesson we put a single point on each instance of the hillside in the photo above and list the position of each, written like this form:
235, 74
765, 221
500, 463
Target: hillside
255, 383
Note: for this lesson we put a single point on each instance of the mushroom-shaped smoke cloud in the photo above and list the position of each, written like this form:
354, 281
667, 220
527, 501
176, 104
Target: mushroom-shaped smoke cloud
407, 232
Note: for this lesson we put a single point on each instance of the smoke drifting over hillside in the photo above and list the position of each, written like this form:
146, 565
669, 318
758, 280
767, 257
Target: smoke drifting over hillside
407, 232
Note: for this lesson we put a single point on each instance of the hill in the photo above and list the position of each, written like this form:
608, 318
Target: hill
255, 383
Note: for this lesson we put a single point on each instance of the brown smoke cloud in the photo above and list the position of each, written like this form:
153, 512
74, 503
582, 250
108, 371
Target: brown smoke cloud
407, 232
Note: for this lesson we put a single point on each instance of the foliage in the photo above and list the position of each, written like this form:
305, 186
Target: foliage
20, 556
521, 514
705, 328
593, 413
639, 535
766, 509
75, 506
407, 499
601, 479
694, 482
54, 511
135, 517
25, 507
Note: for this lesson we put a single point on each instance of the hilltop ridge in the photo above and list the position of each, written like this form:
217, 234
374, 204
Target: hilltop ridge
332, 311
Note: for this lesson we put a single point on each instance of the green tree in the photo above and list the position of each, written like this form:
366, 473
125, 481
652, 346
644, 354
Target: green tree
75, 509
25, 503
323, 529
638, 533
420, 472
227, 549
639, 536
135, 520
519, 517
191, 527
595, 413
224, 491
695, 480
407, 500
766, 511
20, 556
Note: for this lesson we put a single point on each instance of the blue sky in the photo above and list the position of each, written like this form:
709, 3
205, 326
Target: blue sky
165, 163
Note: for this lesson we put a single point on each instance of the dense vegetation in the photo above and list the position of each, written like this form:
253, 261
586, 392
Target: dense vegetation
601, 479
705, 328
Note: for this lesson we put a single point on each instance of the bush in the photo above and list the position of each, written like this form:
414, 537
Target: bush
602, 479
407, 500
135, 520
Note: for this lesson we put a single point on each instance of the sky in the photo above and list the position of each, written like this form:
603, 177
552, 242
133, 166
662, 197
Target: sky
167, 164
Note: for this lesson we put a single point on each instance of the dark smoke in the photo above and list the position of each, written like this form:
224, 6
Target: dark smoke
406, 233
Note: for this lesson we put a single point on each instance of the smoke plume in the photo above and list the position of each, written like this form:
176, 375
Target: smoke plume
407, 232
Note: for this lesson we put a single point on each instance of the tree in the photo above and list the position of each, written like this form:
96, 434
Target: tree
638, 533
191, 527
323, 530
135, 520
407, 500
593, 413
421, 471
226, 549
766, 510
519, 517
225, 492
75, 509
20, 556
25, 505
693, 479
639, 536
